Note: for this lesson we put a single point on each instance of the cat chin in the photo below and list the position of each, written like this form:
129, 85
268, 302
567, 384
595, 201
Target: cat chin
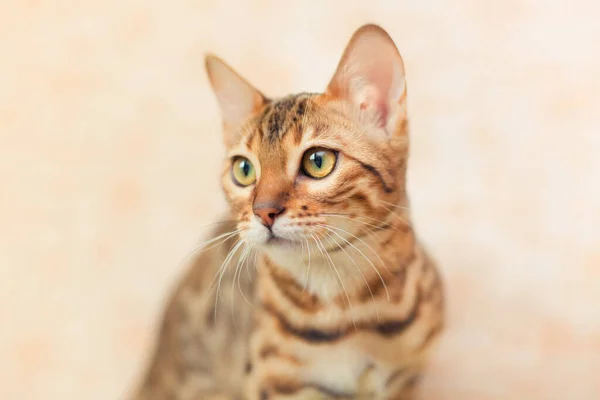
279, 241
280, 244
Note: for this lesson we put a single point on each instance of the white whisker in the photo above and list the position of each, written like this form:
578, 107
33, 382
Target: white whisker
365, 257
395, 205
360, 240
323, 251
358, 220
222, 269
209, 244
335, 270
240, 266
359, 271
307, 268
393, 213
248, 269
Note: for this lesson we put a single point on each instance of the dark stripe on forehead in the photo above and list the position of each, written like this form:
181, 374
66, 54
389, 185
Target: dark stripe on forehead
299, 118
279, 119
280, 115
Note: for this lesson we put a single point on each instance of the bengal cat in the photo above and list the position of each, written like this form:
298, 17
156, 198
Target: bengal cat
324, 291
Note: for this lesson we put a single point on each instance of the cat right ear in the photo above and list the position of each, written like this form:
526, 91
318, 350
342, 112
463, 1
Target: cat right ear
237, 98
370, 75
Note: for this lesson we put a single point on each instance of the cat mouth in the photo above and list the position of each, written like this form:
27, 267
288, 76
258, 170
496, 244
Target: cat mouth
272, 239
275, 240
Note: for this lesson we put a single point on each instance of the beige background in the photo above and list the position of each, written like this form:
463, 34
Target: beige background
109, 144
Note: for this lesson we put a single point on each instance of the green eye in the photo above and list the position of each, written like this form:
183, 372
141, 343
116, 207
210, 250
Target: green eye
243, 171
318, 162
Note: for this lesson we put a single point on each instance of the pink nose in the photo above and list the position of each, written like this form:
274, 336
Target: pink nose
267, 213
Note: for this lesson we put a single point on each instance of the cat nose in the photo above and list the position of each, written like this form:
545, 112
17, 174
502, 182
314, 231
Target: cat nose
268, 212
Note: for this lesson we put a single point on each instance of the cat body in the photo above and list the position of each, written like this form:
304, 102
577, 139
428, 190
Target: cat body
316, 287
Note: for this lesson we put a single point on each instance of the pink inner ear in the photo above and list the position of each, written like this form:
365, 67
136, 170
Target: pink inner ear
373, 98
370, 74
382, 111
237, 97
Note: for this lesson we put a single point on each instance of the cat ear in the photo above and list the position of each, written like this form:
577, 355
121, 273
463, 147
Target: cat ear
370, 75
237, 98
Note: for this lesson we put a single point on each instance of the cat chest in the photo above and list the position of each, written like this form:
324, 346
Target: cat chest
345, 368
342, 367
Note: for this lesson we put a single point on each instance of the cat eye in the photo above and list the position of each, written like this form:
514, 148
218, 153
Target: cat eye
318, 162
243, 172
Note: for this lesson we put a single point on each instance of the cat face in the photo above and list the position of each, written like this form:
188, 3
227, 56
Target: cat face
316, 168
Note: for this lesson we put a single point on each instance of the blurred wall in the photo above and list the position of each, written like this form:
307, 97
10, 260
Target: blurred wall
109, 147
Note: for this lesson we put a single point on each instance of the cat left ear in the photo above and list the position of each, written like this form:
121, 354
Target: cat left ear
370, 75
237, 98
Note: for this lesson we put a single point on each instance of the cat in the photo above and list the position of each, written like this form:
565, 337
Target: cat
324, 291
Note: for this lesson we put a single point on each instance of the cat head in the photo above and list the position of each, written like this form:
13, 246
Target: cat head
316, 167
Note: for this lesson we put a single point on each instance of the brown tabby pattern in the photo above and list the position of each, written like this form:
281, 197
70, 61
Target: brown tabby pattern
334, 298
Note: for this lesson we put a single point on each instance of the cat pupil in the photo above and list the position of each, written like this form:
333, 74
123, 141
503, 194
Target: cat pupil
317, 159
245, 168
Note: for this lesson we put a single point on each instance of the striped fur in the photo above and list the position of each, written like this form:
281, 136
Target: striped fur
343, 303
